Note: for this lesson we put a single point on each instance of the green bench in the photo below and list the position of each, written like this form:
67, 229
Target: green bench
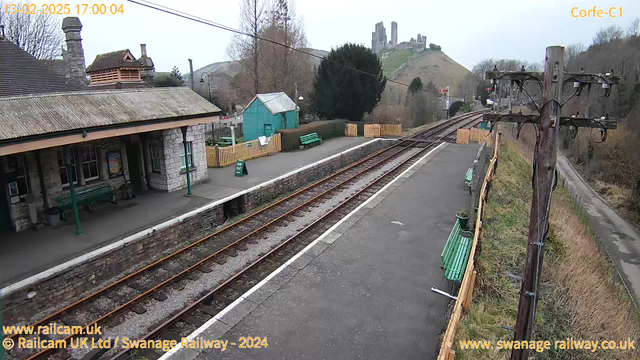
310, 139
468, 177
455, 254
86, 198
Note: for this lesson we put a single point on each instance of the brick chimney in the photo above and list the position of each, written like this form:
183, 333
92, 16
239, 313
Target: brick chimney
74, 55
149, 70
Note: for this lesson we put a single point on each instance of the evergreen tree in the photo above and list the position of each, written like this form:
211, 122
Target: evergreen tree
175, 72
345, 93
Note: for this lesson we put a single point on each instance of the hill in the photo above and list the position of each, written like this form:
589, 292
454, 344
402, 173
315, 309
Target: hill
226, 70
429, 65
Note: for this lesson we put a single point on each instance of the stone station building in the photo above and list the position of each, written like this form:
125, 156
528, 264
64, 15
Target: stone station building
115, 137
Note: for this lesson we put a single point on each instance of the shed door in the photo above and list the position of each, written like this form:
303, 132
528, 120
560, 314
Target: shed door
268, 130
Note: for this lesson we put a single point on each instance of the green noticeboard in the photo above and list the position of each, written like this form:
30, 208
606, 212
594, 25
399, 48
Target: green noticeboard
241, 168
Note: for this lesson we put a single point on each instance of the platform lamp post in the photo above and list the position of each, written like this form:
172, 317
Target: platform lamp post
208, 82
74, 203
186, 157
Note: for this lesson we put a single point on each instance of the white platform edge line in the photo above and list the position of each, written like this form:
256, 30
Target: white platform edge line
257, 286
9, 289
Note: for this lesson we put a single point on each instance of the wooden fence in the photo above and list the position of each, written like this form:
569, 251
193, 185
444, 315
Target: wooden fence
464, 136
351, 130
378, 130
466, 288
225, 156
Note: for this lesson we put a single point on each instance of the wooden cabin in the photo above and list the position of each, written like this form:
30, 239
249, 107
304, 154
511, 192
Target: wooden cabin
116, 70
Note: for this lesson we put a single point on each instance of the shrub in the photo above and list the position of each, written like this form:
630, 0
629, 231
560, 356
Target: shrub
325, 129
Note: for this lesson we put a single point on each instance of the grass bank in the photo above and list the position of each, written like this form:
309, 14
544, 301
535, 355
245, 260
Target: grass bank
579, 298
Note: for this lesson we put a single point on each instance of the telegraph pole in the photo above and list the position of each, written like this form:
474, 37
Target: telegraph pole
548, 124
541, 200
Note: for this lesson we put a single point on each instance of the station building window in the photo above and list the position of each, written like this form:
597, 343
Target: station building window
156, 159
89, 157
189, 156
17, 176
62, 168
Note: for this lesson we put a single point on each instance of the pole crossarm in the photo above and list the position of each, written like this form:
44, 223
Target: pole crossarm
586, 78
582, 77
519, 118
514, 75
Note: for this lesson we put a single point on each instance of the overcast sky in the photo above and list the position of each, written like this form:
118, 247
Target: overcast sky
467, 30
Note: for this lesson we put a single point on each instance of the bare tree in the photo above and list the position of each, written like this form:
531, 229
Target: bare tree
608, 34
285, 68
634, 28
534, 67
482, 67
38, 34
246, 49
571, 53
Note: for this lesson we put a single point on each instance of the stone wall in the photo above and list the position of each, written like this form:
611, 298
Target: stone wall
60, 288
307, 176
66, 287
52, 181
176, 177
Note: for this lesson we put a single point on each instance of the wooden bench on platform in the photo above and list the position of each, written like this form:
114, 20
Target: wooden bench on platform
86, 198
310, 139
455, 254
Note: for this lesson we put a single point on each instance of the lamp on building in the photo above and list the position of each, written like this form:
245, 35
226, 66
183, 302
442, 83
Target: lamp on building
208, 82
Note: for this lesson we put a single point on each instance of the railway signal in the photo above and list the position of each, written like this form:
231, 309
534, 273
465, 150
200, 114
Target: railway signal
545, 175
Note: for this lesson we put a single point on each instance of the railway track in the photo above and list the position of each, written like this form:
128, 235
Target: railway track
177, 270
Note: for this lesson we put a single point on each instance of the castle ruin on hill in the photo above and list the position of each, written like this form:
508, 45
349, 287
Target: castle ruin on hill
379, 40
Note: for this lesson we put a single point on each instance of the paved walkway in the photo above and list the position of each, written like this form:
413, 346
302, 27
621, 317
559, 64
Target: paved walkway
29, 252
620, 238
362, 291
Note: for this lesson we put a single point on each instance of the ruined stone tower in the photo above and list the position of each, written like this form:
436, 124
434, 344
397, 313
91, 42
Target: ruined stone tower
379, 38
394, 34
74, 54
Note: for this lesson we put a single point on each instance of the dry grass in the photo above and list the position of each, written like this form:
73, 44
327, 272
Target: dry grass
600, 306
582, 300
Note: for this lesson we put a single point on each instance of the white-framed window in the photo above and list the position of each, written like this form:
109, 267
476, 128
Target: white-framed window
183, 166
89, 162
17, 176
156, 157
62, 168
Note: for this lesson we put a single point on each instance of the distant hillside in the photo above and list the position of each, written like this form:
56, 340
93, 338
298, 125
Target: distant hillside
228, 69
429, 65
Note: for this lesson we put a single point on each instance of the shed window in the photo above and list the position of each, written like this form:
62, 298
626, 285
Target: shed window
183, 166
64, 175
156, 159
89, 162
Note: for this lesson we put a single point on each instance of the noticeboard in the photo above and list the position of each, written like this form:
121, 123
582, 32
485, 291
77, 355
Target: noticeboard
114, 162
241, 168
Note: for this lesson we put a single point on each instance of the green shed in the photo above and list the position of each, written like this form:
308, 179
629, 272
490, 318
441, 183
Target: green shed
267, 113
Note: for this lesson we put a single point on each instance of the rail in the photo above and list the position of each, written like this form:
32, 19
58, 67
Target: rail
186, 313
403, 145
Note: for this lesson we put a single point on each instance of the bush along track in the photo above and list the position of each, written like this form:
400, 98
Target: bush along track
579, 297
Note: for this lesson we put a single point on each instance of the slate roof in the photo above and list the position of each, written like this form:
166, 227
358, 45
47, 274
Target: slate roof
276, 102
21, 74
25, 116
114, 60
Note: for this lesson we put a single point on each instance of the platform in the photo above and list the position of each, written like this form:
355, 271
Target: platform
363, 289
29, 252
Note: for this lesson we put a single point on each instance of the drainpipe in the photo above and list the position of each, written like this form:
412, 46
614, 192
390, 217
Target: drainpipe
186, 157
74, 203
43, 187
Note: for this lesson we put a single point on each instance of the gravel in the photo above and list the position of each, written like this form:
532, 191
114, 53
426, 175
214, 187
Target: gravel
134, 325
